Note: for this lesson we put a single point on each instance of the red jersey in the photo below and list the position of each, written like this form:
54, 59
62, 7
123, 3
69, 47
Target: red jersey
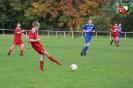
115, 31
17, 37
33, 35
36, 45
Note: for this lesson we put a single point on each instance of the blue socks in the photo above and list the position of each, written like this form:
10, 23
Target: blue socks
85, 48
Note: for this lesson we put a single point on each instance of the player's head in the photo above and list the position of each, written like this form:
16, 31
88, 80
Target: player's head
18, 24
115, 24
36, 25
119, 24
89, 21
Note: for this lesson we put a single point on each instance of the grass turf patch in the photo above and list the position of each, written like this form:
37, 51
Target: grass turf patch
105, 66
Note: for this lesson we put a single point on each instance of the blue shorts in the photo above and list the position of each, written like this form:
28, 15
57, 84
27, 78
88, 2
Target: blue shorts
87, 39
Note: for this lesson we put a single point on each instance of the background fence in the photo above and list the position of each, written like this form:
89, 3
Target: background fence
64, 34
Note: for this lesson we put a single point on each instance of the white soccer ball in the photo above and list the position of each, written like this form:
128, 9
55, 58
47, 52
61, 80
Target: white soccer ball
74, 66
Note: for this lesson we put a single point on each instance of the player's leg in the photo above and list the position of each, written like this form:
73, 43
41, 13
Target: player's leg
83, 52
85, 48
11, 48
117, 44
51, 58
118, 38
41, 62
112, 41
21, 49
40, 50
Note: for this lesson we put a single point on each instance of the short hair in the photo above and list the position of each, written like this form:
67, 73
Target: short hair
115, 23
35, 24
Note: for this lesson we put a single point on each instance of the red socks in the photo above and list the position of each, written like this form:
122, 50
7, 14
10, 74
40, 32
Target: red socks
117, 43
52, 59
21, 52
41, 65
9, 51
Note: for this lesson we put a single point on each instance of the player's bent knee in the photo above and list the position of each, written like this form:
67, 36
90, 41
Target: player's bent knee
87, 44
46, 53
22, 45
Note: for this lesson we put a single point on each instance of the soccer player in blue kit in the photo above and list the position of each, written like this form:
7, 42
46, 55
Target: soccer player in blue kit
119, 31
88, 29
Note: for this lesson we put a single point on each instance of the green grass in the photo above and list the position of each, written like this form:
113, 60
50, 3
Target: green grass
104, 66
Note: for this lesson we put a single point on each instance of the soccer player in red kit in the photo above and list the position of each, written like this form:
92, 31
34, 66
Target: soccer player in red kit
35, 42
17, 39
114, 30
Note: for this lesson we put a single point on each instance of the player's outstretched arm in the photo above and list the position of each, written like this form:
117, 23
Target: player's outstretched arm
25, 35
21, 32
28, 44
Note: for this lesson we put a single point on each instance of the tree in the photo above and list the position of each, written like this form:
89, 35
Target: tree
64, 13
4, 18
61, 14
17, 10
126, 22
102, 22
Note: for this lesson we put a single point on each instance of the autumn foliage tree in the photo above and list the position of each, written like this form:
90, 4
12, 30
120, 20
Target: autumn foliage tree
54, 13
17, 11
61, 14
64, 13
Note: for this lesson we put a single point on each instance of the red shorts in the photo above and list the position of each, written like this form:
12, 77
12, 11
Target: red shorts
115, 35
39, 49
18, 42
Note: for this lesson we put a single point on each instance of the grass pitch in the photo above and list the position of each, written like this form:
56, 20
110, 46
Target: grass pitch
105, 66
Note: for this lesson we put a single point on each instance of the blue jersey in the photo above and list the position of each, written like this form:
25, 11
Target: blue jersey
90, 28
119, 31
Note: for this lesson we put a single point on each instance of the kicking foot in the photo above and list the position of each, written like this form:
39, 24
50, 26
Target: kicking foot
8, 54
59, 63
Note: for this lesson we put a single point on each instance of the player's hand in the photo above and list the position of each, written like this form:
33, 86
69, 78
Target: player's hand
39, 38
87, 31
23, 30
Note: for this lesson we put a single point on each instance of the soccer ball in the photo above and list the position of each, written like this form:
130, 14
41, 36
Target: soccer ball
74, 66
